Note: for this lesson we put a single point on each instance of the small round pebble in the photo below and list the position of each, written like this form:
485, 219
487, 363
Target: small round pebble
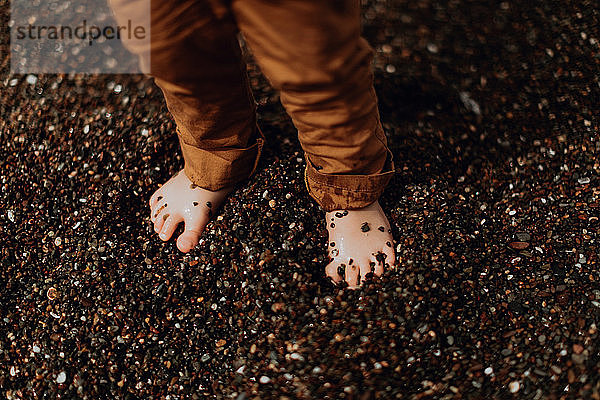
62, 377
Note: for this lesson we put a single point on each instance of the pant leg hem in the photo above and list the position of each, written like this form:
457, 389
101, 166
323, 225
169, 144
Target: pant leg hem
346, 191
215, 169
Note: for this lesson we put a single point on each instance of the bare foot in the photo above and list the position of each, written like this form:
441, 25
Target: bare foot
179, 200
360, 242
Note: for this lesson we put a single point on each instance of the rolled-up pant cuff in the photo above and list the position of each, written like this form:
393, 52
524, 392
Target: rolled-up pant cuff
344, 191
214, 169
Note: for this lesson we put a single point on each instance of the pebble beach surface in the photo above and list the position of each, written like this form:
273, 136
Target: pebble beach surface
491, 109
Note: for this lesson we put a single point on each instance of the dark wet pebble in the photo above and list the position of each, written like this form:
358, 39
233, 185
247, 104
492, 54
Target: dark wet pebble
523, 236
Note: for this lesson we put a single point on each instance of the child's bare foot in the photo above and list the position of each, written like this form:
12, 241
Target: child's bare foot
179, 200
360, 242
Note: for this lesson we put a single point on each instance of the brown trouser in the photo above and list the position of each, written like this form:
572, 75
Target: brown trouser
310, 50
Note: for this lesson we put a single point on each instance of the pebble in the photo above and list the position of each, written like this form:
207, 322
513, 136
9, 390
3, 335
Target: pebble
514, 386
583, 181
519, 245
542, 339
31, 79
432, 48
62, 377
523, 236
11, 215
264, 379
470, 105
51, 293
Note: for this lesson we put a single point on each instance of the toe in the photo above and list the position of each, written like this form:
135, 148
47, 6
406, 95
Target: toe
168, 227
155, 198
331, 270
353, 275
390, 258
375, 266
188, 239
379, 260
159, 219
365, 269
157, 209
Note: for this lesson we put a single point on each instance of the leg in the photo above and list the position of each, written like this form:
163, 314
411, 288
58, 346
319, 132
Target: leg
196, 60
312, 51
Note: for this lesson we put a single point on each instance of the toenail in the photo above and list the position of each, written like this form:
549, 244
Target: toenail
193, 186
332, 244
195, 204
381, 229
165, 217
335, 252
388, 244
332, 225
365, 227
159, 198
350, 262
208, 204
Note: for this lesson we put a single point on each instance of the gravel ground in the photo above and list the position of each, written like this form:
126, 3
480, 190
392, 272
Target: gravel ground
492, 114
